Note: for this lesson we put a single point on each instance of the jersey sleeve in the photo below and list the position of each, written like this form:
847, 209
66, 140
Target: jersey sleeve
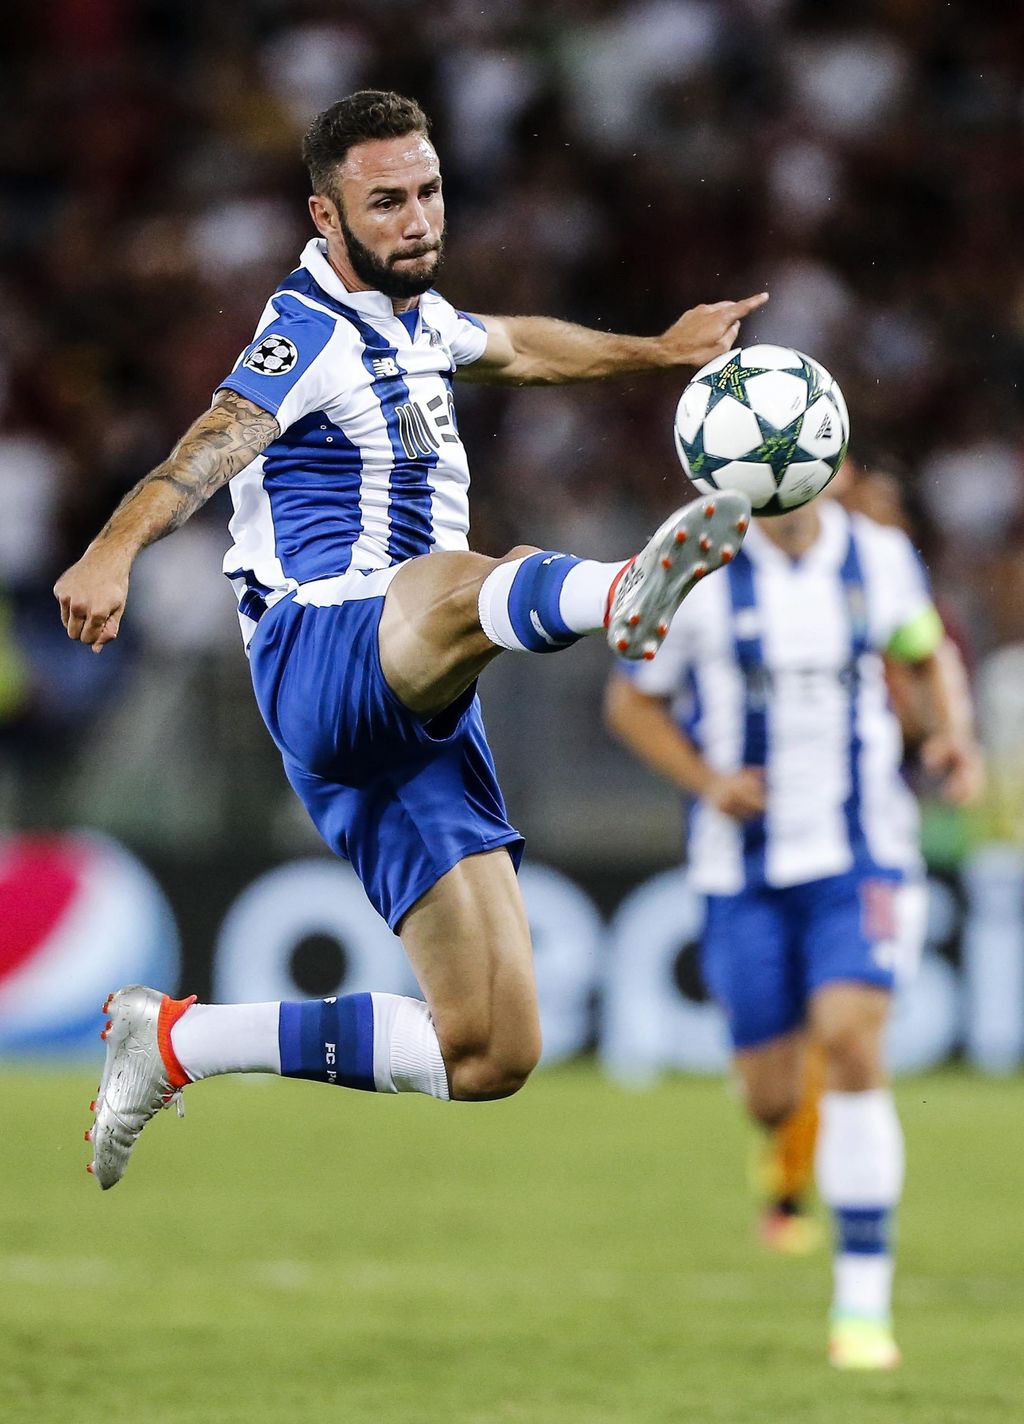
464, 334
907, 625
283, 370
470, 339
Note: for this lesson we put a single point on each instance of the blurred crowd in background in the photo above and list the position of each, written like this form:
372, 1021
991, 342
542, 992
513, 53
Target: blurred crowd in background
609, 163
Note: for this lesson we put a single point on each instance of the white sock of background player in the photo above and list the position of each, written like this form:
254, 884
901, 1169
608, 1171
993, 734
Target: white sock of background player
859, 1164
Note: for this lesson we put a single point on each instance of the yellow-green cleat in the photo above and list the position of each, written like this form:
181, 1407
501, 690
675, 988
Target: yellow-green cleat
857, 1343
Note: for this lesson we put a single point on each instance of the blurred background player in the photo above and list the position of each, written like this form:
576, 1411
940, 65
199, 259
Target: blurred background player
783, 1168
768, 705
367, 621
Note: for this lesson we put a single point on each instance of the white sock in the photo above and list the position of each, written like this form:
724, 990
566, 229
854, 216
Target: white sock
227, 1038
584, 596
406, 1053
860, 1167
863, 1285
246, 1038
558, 599
492, 606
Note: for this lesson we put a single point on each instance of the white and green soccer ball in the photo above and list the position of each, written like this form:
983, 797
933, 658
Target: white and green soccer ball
764, 420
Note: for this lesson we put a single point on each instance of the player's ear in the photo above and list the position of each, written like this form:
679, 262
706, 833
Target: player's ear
324, 215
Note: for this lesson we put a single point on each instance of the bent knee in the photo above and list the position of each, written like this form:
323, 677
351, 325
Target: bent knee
771, 1105
486, 1082
521, 551
853, 1058
483, 1074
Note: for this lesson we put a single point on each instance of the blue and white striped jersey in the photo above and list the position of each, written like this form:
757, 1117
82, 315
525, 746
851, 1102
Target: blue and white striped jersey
369, 468
776, 663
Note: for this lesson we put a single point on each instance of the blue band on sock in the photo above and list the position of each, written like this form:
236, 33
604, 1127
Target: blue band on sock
533, 602
329, 1041
862, 1231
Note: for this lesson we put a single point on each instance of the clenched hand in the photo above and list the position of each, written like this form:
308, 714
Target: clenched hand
92, 595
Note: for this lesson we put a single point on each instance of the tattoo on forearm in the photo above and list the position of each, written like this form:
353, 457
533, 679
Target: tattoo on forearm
221, 442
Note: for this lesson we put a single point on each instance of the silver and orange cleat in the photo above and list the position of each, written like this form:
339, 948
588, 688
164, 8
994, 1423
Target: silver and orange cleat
141, 1075
696, 539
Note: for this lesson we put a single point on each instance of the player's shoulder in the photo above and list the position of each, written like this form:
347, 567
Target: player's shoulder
299, 312
434, 300
301, 297
438, 305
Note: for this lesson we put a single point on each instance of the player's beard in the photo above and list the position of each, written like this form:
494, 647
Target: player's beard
381, 275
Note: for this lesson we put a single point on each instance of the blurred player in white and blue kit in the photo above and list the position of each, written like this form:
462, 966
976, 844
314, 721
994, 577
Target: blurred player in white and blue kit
768, 705
367, 621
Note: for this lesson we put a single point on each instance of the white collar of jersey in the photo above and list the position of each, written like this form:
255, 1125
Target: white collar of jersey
828, 550
314, 259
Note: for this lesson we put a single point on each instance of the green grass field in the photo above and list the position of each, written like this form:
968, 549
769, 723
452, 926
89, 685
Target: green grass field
577, 1255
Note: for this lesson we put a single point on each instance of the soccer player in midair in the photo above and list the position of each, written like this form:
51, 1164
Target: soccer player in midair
768, 705
367, 621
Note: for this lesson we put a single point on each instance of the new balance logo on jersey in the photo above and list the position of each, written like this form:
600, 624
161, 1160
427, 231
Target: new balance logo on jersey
385, 366
274, 356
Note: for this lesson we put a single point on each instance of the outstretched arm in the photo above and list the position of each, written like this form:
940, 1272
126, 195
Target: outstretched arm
221, 442
538, 351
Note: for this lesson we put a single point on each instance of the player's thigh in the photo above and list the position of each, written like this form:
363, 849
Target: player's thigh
748, 963
431, 643
772, 1076
850, 931
468, 940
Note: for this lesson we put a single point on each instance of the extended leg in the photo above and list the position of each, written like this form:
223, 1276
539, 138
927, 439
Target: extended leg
477, 1037
448, 614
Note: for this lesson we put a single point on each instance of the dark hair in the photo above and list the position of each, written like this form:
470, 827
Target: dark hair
367, 114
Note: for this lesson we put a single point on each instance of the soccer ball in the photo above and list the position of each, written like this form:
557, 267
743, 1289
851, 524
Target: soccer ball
764, 420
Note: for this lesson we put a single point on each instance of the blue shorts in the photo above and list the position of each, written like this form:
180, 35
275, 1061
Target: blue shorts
402, 797
766, 951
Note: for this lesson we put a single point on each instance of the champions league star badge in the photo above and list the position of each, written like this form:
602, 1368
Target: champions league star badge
272, 357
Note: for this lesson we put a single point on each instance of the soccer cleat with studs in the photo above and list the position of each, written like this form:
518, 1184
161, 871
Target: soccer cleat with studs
141, 1075
690, 544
